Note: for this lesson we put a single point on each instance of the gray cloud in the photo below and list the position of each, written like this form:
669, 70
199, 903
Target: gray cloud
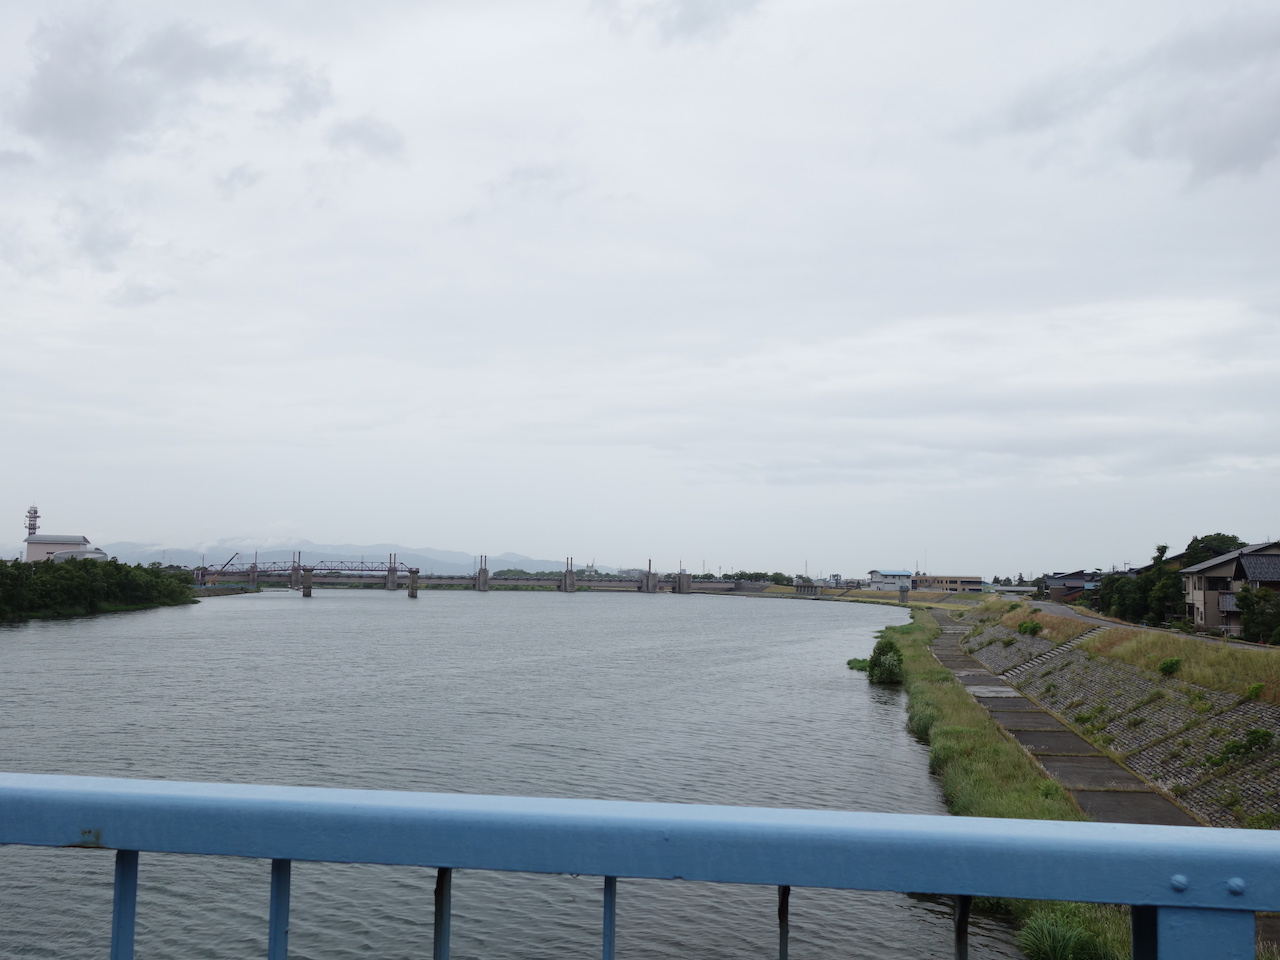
555, 182
1208, 96
678, 19
308, 93
367, 134
95, 232
135, 294
16, 158
91, 93
238, 178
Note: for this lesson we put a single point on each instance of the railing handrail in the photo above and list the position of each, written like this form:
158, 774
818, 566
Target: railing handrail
1193, 889
1033, 859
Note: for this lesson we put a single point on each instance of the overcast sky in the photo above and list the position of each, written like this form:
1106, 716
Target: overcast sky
973, 288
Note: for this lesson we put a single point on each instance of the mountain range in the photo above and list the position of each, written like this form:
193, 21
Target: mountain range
428, 559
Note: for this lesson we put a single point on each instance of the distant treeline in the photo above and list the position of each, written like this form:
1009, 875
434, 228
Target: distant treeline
86, 586
759, 576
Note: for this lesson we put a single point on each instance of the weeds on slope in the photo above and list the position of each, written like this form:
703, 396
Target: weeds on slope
1213, 665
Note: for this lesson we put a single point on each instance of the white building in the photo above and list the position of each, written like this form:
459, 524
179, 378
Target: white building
888, 579
56, 546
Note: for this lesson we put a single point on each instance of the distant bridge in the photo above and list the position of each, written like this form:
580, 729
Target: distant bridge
393, 575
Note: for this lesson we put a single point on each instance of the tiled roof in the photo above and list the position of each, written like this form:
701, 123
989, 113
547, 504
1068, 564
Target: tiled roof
1227, 603
1262, 566
1243, 551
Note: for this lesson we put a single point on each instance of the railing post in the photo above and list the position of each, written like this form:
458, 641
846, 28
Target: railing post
124, 906
278, 923
610, 913
444, 905
961, 907
1142, 923
784, 921
1184, 933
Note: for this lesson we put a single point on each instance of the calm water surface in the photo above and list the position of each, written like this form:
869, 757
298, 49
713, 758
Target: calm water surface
630, 697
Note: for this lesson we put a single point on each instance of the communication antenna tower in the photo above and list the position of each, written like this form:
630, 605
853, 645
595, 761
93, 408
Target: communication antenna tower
32, 516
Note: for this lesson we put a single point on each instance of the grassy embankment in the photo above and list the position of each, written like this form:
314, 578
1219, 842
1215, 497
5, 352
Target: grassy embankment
1234, 670
985, 774
1054, 628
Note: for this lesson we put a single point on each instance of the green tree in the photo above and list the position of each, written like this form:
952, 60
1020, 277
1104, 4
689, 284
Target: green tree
1154, 595
1259, 614
86, 586
1209, 546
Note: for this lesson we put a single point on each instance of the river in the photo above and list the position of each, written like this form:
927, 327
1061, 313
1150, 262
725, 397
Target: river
698, 699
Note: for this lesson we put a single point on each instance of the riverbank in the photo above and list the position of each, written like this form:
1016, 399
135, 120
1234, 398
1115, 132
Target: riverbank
984, 773
231, 590
1197, 720
1109, 715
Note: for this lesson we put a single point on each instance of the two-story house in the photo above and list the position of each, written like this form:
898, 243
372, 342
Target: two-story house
1210, 587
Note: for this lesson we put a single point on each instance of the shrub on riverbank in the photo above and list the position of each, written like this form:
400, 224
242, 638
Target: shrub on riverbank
48, 589
885, 665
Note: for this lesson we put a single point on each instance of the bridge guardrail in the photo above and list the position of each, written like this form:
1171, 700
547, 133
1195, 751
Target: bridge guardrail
1194, 890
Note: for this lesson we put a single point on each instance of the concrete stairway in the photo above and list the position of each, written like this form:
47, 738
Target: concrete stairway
1056, 652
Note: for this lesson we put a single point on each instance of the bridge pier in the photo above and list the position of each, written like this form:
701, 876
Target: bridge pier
305, 582
569, 582
482, 575
413, 583
684, 583
393, 573
295, 576
649, 581
253, 574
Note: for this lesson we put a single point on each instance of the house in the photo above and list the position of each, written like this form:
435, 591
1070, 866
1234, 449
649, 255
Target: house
888, 579
944, 584
1210, 588
1068, 587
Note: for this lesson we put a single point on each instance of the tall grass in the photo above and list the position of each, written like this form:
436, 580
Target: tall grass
983, 772
1216, 666
1057, 629
1213, 665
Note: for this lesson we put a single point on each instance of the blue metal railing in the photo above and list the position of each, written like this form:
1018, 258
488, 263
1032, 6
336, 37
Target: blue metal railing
1193, 890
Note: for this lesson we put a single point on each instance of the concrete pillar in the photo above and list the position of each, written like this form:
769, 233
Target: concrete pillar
413, 583
649, 581
253, 574
306, 581
393, 573
295, 576
684, 583
902, 594
482, 579
569, 582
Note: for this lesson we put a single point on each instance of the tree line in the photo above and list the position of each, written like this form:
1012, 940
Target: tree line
86, 586
1155, 594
